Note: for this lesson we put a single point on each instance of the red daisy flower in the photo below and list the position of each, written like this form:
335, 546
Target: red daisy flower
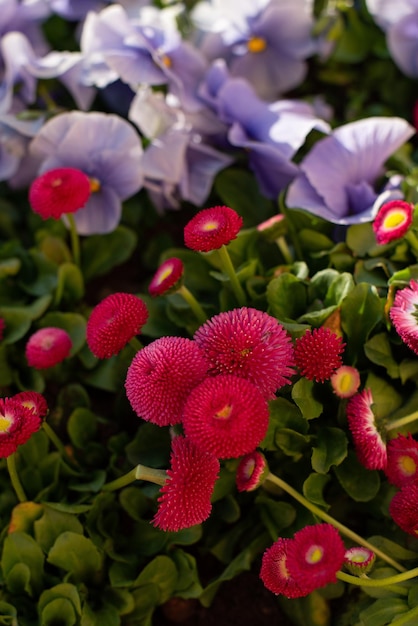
403, 508
250, 344
226, 415
166, 277
34, 401
212, 228
114, 322
402, 460
403, 314
345, 381
314, 556
274, 572
359, 560
318, 353
251, 471
161, 377
59, 191
2, 327
48, 347
368, 441
392, 221
17, 425
185, 496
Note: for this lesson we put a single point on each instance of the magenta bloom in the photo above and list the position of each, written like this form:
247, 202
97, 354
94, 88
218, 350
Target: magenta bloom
114, 322
403, 314
2, 327
185, 496
359, 560
250, 344
161, 377
403, 508
318, 353
226, 415
368, 441
17, 425
34, 401
166, 277
402, 463
251, 471
48, 347
59, 191
345, 381
212, 228
274, 572
392, 221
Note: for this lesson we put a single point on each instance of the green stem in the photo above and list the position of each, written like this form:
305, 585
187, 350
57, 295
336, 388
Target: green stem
412, 240
229, 269
135, 344
292, 230
75, 241
14, 478
402, 421
56, 441
405, 619
378, 582
193, 304
330, 520
284, 249
140, 472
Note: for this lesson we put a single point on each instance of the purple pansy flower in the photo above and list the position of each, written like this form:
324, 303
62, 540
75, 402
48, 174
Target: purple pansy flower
265, 42
24, 16
15, 135
337, 177
107, 148
76, 9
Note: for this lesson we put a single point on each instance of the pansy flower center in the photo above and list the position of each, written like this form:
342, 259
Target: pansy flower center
257, 44
94, 185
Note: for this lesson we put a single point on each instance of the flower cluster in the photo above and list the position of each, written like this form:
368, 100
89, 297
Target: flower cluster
20, 417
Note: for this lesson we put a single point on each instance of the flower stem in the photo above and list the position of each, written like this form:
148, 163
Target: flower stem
412, 240
140, 472
193, 304
363, 581
284, 249
330, 520
229, 269
402, 421
14, 478
75, 241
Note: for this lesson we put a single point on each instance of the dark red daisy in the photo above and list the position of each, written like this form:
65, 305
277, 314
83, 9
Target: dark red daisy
403, 315
318, 353
251, 471
392, 221
114, 322
403, 508
2, 327
369, 441
34, 401
212, 228
402, 460
48, 347
17, 425
274, 572
166, 277
59, 191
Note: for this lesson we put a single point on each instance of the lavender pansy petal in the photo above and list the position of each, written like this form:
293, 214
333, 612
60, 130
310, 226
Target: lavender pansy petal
75, 9
203, 163
101, 214
164, 157
402, 39
301, 195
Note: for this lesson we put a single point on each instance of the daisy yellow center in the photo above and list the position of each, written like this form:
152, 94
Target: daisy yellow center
5, 423
57, 182
165, 274
314, 555
208, 226
394, 219
224, 412
359, 558
407, 465
346, 382
257, 44
249, 468
47, 342
94, 185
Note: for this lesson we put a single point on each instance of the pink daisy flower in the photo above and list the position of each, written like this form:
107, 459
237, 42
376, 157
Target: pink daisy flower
318, 353
402, 460
250, 344
59, 191
345, 381
34, 401
48, 347
185, 496
226, 415
314, 556
251, 471
403, 508
359, 560
114, 322
368, 441
403, 314
166, 277
161, 377
17, 425
274, 572
2, 327
212, 228
392, 221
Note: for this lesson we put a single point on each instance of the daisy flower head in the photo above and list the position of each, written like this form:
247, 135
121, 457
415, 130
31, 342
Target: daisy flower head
314, 556
392, 221
161, 377
59, 191
114, 322
359, 560
274, 572
2, 327
402, 460
185, 496
318, 354
226, 415
212, 228
251, 471
403, 508
404, 315
368, 441
34, 401
17, 425
167, 277
250, 344
345, 381
48, 347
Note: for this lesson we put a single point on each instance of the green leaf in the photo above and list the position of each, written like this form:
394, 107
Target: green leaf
283, 414
275, 515
313, 488
70, 287
239, 190
82, 427
330, 449
162, 573
73, 323
361, 484
8, 614
105, 615
361, 311
381, 612
188, 583
18, 321
302, 394
9, 267
52, 524
59, 611
361, 238
379, 351
77, 555
62, 590
286, 296
22, 551
100, 253
385, 398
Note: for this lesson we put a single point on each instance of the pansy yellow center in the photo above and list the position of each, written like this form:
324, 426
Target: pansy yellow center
5, 423
224, 412
394, 219
257, 44
166, 60
211, 225
94, 185
314, 554
407, 465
